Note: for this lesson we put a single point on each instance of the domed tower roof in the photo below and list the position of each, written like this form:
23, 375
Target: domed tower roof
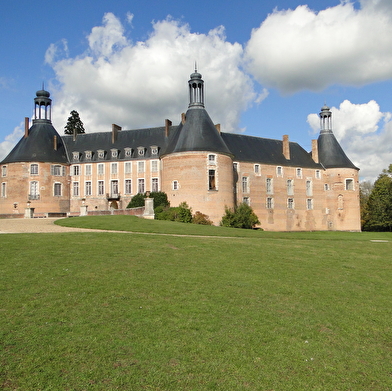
41, 143
331, 154
198, 133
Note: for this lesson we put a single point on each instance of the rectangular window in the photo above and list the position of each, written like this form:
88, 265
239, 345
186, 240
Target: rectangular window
88, 188
290, 187
299, 172
34, 169
87, 170
245, 184
128, 186
114, 188
113, 168
211, 159
270, 203
269, 186
279, 171
57, 189
101, 188
140, 185
317, 174
211, 180
235, 167
4, 189
309, 204
76, 189
4, 171
154, 185
257, 169
246, 200
309, 188
101, 169
326, 186
128, 167
175, 185
349, 184
154, 165
140, 166
76, 170
290, 203
34, 191
57, 170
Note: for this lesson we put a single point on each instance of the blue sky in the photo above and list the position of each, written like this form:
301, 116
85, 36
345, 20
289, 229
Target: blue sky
268, 67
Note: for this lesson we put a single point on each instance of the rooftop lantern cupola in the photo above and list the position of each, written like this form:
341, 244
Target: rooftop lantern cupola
325, 119
42, 106
196, 90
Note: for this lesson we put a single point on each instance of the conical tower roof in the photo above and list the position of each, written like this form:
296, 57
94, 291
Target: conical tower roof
42, 143
198, 133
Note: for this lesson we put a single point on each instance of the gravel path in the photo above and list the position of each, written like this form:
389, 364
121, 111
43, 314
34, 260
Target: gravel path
34, 226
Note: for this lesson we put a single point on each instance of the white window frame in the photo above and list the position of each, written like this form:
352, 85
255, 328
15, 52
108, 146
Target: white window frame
141, 185
34, 169
279, 171
269, 203
154, 184
101, 169
154, 165
57, 185
309, 187
75, 189
175, 185
141, 166
3, 189
75, 170
290, 203
349, 184
34, 190
128, 186
88, 188
269, 185
309, 203
211, 159
317, 174
236, 166
290, 186
88, 170
298, 172
113, 187
245, 184
246, 200
101, 189
4, 171
128, 167
257, 169
114, 168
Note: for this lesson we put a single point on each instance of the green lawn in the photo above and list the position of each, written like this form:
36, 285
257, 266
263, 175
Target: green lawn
258, 311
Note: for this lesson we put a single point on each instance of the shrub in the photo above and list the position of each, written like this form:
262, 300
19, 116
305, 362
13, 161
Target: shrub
201, 218
241, 216
181, 213
160, 199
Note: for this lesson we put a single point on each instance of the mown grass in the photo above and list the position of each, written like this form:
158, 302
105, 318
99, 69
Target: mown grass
120, 311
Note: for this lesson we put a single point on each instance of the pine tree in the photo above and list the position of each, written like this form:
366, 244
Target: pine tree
74, 124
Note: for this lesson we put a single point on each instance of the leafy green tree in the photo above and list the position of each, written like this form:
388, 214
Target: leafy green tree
74, 124
201, 218
241, 216
378, 210
365, 189
181, 213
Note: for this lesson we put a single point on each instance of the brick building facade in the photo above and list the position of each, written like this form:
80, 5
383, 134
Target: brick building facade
289, 188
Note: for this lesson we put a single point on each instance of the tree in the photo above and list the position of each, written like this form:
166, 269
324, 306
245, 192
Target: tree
378, 212
74, 124
241, 216
160, 199
365, 189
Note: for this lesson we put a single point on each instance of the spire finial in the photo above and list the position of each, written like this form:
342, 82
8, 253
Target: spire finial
195, 66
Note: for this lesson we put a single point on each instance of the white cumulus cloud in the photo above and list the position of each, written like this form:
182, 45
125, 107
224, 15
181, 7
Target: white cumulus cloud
301, 49
140, 84
10, 140
364, 132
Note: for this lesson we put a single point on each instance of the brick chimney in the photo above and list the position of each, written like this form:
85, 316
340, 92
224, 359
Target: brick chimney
286, 147
218, 128
26, 134
183, 118
115, 130
168, 123
315, 154
55, 142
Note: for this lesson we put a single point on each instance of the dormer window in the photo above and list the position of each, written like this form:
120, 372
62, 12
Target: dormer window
101, 154
88, 155
75, 156
140, 151
154, 150
114, 153
128, 152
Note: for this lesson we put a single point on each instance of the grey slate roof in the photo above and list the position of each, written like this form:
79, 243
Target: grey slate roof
197, 134
267, 151
331, 154
39, 146
93, 142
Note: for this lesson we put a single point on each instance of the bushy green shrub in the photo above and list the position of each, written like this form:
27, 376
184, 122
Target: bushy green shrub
201, 218
241, 216
160, 199
181, 213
